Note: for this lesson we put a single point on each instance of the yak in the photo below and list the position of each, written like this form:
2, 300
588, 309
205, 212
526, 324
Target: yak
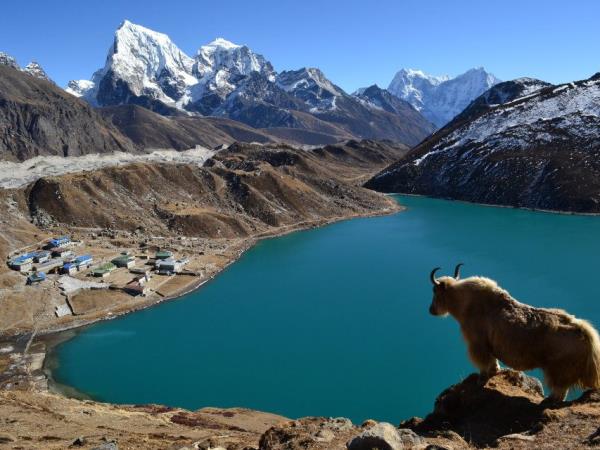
496, 327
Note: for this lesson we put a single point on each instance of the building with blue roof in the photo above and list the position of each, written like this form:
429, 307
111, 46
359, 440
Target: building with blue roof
61, 241
69, 268
41, 256
36, 277
22, 262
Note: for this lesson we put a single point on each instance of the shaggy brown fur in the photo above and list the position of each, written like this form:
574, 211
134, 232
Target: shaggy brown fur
498, 327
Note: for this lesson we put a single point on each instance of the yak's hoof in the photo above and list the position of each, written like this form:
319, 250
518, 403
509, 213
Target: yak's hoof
552, 402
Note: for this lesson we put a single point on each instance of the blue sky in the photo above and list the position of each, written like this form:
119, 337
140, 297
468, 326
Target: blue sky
356, 43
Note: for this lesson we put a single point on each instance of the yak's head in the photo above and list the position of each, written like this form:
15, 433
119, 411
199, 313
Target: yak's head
441, 286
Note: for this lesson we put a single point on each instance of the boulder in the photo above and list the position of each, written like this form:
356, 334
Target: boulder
78, 442
385, 436
507, 403
107, 446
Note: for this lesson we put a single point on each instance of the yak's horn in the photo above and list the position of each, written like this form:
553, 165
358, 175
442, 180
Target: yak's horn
432, 276
457, 270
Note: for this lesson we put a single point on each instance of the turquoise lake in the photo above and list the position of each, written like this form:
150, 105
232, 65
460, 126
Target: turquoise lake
333, 321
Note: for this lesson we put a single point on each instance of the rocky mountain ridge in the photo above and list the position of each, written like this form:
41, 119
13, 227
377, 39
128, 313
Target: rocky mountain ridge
32, 68
239, 191
37, 118
224, 79
539, 149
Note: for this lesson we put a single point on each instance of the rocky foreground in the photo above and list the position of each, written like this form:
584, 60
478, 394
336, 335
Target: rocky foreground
508, 412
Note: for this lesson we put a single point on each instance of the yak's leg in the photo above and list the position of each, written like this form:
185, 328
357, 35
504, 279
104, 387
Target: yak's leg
558, 384
484, 360
558, 394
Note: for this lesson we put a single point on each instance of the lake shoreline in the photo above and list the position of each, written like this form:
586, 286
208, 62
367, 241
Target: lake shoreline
493, 205
53, 337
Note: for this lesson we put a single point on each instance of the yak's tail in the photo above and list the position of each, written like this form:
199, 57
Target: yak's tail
590, 374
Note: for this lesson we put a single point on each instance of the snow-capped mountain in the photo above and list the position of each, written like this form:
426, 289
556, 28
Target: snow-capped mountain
224, 79
415, 86
33, 68
142, 65
440, 99
219, 68
538, 149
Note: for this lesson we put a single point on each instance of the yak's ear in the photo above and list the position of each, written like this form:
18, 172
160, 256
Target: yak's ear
443, 285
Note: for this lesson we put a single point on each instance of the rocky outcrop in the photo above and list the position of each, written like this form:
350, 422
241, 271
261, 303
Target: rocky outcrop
507, 403
9, 61
35, 70
507, 411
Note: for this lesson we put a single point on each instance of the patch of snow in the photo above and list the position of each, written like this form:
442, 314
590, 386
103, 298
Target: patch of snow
7, 60
567, 105
80, 88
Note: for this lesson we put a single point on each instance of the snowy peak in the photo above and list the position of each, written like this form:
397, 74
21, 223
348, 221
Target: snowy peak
80, 88
35, 70
413, 85
148, 49
141, 63
219, 43
410, 77
441, 98
311, 86
145, 67
150, 62
292, 80
221, 63
7, 60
